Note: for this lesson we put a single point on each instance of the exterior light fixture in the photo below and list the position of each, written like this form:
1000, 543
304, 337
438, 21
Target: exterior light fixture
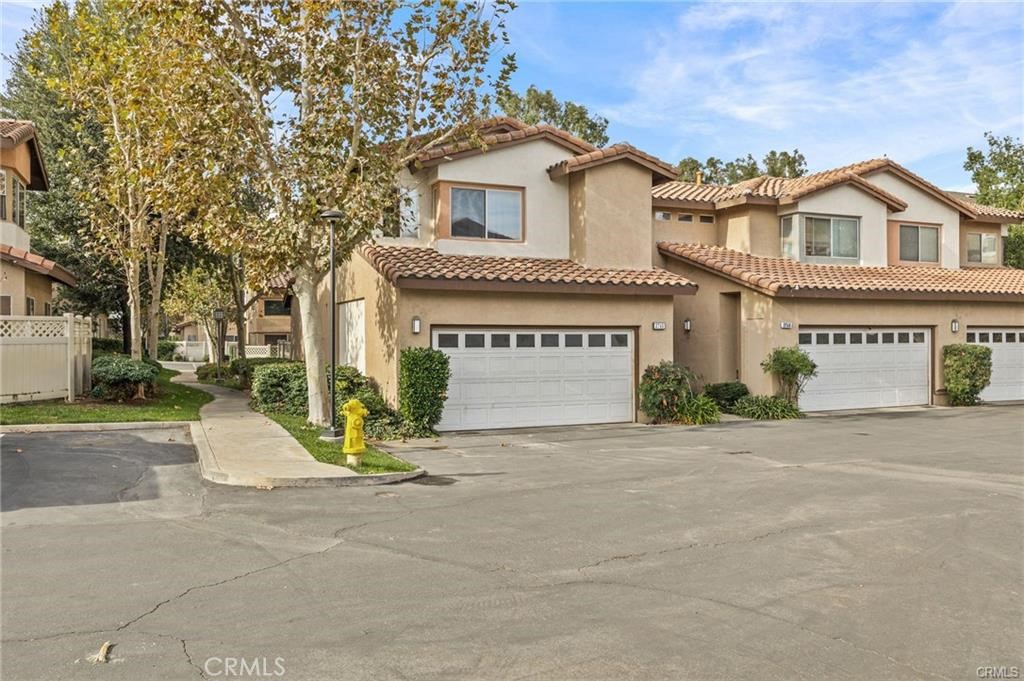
954, 326
416, 325
331, 432
687, 325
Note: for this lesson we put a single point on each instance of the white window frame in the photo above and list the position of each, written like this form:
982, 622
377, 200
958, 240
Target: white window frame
30, 306
918, 227
685, 217
802, 244
704, 219
992, 254
488, 190
663, 215
409, 213
18, 203
3, 194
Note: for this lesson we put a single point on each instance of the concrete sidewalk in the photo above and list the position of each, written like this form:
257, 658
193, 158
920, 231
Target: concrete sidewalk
238, 446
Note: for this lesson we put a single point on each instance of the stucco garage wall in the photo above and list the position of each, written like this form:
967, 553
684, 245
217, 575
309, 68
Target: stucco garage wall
455, 308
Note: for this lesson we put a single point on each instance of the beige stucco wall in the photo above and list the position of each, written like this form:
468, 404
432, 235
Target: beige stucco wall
845, 200
39, 287
12, 283
763, 316
695, 232
972, 227
923, 207
19, 161
453, 308
749, 228
611, 216
546, 209
258, 323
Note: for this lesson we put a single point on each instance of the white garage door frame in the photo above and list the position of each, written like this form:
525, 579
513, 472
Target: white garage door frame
351, 350
568, 376
1007, 344
862, 367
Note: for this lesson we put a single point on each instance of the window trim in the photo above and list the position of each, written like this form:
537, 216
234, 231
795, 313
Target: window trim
443, 212
981, 249
937, 228
666, 213
32, 312
682, 217
800, 224
286, 310
701, 219
10, 304
3, 194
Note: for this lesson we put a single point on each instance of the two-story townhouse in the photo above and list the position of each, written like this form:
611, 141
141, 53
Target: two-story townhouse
869, 268
27, 279
528, 261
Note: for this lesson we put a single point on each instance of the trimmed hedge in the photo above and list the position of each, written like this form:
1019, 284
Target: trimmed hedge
699, 410
106, 345
766, 408
383, 422
281, 387
423, 375
726, 394
165, 350
118, 377
243, 368
967, 369
663, 388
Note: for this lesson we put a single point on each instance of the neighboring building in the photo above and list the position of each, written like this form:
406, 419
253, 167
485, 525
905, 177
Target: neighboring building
27, 279
268, 321
531, 265
869, 268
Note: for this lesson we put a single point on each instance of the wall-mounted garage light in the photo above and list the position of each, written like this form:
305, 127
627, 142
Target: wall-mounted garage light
416, 325
954, 326
687, 325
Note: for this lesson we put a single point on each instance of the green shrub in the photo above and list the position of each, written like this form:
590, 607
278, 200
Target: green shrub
662, 388
726, 394
699, 410
118, 377
165, 350
793, 367
243, 368
106, 345
766, 408
967, 369
208, 372
281, 387
423, 375
383, 422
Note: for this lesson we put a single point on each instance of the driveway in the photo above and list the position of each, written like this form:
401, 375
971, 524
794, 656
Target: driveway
886, 546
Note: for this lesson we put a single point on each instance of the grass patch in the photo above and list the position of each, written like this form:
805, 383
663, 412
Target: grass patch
374, 460
232, 382
172, 402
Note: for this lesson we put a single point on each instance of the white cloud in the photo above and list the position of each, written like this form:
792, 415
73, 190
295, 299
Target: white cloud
839, 81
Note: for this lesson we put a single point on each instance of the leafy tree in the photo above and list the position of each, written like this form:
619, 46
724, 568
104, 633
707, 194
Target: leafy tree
371, 84
195, 294
998, 173
714, 171
541, 106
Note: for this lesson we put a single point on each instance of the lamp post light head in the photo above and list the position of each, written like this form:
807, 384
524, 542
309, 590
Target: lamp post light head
218, 314
332, 215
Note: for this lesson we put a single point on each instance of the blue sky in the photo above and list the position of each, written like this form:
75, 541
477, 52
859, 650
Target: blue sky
918, 82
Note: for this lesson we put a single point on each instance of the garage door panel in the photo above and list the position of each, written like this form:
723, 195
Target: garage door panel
565, 377
863, 368
1007, 345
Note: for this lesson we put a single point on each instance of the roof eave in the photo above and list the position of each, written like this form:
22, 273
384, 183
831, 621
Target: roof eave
503, 286
921, 184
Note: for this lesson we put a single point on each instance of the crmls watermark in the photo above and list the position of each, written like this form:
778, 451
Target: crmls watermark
993, 672
240, 666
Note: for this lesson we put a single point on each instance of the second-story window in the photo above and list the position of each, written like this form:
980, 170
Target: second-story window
919, 243
486, 213
3, 194
831, 237
275, 308
982, 248
18, 202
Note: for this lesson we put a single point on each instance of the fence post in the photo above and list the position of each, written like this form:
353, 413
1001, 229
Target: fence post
87, 387
69, 327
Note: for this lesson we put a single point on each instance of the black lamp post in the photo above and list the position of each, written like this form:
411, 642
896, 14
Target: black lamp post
331, 432
218, 317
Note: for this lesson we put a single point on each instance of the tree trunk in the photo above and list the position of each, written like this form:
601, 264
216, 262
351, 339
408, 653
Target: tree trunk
236, 275
156, 286
305, 287
126, 332
132, 273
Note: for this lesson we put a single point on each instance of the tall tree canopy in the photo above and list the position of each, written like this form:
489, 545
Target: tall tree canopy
998, 173
537, 106
715, 171
324, 104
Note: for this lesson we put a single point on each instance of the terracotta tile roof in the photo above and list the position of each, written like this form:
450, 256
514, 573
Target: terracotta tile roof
413, 267
441, 153
14, 132
987, 211
36, 263
785, 277
280, 281
690, 191
614, 153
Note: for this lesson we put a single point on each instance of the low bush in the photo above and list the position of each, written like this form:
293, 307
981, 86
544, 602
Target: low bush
165, 350
423, 375
766, 408
106, 345
662, 389
383, 422
793, 367
243, 368
726, 394
699, 410
967, 369
119, 377
208, 372
280, 387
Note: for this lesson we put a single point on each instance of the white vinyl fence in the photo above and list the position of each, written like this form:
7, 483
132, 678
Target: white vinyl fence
192, 351
280, 349
45, 357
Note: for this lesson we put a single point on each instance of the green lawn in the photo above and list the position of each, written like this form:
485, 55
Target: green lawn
227, 381
173, 402
374, 460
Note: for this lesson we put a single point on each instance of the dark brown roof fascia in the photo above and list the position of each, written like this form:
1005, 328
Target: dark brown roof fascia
492, 286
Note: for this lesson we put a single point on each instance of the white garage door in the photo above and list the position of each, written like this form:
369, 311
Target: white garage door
1007, 361
511, 378
868, 367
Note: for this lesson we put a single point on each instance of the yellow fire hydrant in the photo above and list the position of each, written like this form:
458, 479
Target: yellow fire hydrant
354, 446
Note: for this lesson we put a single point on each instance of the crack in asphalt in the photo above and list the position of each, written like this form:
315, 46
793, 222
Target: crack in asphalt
188, 656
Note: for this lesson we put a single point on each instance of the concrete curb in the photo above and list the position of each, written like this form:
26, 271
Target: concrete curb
211, 470
93, 427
